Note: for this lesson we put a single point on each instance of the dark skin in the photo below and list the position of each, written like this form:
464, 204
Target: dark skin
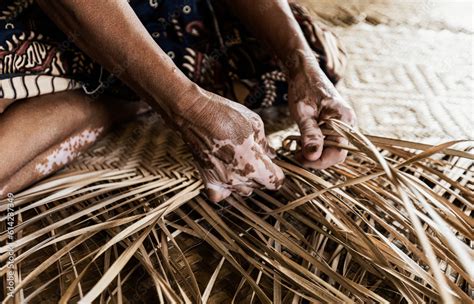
312, 97
226, 138
62, 116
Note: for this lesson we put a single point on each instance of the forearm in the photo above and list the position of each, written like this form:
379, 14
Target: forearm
273, 22
111, 34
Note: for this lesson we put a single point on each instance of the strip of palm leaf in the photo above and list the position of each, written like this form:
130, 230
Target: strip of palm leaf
128, 221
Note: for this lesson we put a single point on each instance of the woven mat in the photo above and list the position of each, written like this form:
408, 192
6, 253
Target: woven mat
454, 16
404, 81
134, 155
410, 73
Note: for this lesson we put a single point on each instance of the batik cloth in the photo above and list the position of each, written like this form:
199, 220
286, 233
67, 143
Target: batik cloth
202, 37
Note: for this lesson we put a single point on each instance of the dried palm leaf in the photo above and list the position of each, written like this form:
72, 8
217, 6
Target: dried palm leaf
393, 223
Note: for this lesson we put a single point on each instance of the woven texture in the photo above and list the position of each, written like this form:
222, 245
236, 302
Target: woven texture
146, 155
410, 71
403, 81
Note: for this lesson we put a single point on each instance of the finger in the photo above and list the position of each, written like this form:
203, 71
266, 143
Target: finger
311, 139
253, 184
330, 156
271, 153
278, 179
261, 138
215, 190
272, 178
243, 190
343, 112
217, 193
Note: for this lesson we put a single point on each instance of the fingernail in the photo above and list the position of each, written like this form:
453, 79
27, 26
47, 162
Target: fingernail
311, 148
213, 195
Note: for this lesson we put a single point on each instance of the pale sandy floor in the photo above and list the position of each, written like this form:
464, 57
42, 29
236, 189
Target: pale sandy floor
411, 65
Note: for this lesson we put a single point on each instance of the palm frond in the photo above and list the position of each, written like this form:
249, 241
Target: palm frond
128, 220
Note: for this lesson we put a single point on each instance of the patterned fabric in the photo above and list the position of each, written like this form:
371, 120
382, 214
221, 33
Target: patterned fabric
209, 45
27, 86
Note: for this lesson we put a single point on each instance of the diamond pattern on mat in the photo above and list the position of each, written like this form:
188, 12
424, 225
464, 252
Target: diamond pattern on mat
412, 84
427, 14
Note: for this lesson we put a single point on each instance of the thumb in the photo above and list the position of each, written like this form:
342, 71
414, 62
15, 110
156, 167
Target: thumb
312, 139
214, 189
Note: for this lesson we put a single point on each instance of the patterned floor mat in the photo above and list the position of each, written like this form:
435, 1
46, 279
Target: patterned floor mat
404, 80
411, 66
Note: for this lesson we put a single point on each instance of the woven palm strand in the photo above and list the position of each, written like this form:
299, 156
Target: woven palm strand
128, 220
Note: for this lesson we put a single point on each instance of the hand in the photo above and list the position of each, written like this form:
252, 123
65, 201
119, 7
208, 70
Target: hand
312, 100
229, 145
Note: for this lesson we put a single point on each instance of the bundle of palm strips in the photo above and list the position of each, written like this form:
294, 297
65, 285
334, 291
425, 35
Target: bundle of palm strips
128, 223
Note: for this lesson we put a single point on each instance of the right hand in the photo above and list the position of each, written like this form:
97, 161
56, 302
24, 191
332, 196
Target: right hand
229, 145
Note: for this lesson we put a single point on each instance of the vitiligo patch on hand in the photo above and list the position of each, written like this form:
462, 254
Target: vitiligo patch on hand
245, 164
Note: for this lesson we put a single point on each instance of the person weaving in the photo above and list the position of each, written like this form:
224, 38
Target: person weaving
70, 69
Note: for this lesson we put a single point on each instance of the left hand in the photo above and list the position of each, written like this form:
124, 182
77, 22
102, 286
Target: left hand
312, 99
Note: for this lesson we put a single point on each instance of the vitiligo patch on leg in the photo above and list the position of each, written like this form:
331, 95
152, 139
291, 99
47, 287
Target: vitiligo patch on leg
2, 191
68, 150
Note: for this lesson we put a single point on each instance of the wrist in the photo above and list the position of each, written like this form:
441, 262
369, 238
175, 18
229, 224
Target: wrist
190, 100
177, 95
297, 60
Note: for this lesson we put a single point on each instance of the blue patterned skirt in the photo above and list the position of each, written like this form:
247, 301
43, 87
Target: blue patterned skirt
201, 36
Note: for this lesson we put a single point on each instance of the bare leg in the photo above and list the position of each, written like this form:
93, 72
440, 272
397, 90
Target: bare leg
40, 135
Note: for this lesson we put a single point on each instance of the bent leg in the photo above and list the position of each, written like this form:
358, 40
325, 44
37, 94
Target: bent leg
38, 136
